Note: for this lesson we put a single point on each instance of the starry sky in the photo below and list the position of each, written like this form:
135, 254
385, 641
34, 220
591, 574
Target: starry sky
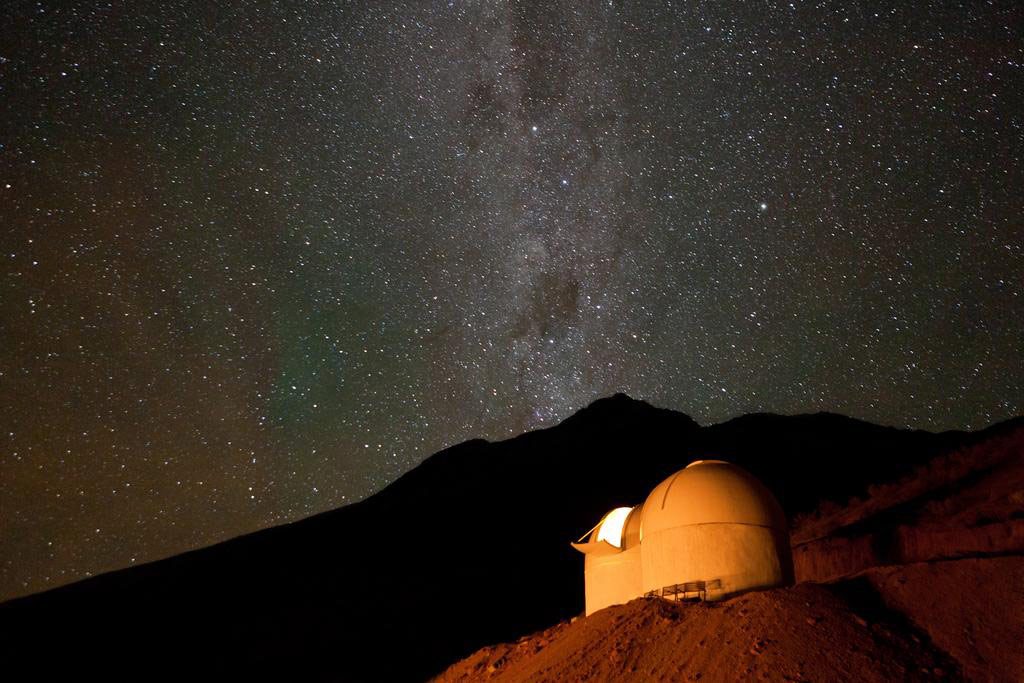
261, 258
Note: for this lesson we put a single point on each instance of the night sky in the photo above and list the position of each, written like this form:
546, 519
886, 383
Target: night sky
260, 258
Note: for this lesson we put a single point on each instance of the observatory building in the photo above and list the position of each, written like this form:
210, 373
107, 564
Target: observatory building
709, 531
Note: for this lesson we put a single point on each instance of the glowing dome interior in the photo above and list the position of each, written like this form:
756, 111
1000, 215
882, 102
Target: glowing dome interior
612, 525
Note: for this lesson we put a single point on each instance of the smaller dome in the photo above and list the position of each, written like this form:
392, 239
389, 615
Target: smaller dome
617, 531
710, 492
611, 527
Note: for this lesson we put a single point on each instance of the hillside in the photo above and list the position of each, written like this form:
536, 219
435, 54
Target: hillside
469, 548
849, 631
801, 633
968, 502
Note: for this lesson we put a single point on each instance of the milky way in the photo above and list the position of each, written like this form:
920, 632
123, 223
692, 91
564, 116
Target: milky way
261, 258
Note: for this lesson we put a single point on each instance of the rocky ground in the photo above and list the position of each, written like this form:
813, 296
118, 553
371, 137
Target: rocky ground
805, 633
944, 621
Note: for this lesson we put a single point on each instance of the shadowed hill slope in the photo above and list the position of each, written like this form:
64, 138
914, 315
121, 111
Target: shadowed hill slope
967, 502
469, 548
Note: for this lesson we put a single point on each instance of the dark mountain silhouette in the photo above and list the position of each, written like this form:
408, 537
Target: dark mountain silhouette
467, 549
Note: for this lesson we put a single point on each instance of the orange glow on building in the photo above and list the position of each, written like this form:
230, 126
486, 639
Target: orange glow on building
611, 527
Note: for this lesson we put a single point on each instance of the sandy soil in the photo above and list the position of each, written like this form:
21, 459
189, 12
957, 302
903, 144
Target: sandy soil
804, 633
973, 609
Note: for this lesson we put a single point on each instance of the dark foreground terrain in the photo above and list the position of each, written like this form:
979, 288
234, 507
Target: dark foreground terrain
471, 548
852, 630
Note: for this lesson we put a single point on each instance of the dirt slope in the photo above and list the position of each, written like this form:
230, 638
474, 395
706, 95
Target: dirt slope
973, 609
965, 503
805, 633
956, 620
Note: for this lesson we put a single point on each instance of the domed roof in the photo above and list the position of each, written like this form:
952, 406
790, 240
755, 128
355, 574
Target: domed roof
709, 492
611, 526
618, 530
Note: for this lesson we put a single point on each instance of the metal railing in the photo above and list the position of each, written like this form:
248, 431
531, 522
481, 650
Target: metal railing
689, 590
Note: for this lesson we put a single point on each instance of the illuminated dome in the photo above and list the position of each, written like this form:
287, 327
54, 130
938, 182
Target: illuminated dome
710, 492
709, 531
612, 558
611, 527
714, 530
631, 529
617, 530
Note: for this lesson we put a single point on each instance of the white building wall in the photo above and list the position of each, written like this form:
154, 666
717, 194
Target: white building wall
740, 556
611, 579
